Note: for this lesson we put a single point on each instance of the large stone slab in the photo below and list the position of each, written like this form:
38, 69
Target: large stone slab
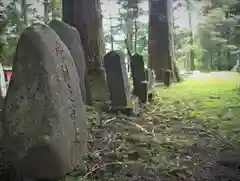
140, 84
118, 84
71, 38
45, 125
117, 79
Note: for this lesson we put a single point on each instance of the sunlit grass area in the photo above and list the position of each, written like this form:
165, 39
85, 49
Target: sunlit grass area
212, 98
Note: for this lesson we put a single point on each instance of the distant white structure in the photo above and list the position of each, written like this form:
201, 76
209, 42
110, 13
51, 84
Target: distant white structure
236, 68
3, 87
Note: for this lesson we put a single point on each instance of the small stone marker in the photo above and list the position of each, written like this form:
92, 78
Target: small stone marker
45, 124
118, 82
140, 85
167, 77
150, 77
71, 38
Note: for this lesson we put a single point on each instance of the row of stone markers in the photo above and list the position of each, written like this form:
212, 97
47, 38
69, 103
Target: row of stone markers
143, 79
121, 96
44, 122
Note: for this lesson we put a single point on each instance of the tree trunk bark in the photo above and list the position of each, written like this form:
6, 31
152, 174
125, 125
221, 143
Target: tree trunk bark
174, 69
46, 10
159, 47
136, 11
53, 7
24, 12
86, 17
110, 24
129, 33
191, 52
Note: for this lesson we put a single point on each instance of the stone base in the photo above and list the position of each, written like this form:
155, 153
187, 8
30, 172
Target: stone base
150, 96
132, 109
97, 86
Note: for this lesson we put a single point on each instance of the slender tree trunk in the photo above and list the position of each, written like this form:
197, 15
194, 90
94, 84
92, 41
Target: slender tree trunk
159, 44
3, 24
46, 10
174, 68
211, 60
111, 31
135, 26
135, 35
206, 59
191, 52
24, 12
129, 33
110, 23
129, 29
53, 6
218, 57
185, 64
86, 17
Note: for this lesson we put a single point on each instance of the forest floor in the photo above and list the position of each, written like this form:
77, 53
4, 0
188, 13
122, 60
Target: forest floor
191, 131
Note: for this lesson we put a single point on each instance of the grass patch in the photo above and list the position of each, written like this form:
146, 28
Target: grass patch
213, 100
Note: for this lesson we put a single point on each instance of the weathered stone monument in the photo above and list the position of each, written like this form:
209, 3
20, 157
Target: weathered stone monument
118, 83
45, 125
167, 77
70, 37
140, 84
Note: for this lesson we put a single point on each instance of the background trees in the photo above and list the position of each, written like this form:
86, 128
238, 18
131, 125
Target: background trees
218, 34
159, 44
211, 43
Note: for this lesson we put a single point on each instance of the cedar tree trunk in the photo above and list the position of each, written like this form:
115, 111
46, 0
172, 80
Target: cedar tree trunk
159, 45
86, 17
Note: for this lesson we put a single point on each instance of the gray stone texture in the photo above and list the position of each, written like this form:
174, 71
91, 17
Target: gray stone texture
71, 38
44, 123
